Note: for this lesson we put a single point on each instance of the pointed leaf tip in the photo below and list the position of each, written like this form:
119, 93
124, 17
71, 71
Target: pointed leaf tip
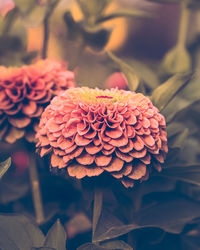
4, 166
163, 94
56, 237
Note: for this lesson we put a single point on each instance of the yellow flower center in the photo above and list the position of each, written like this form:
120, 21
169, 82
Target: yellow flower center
100, 96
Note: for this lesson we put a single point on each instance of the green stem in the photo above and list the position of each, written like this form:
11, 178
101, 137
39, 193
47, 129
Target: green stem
46, 29
9, 20
183, 26
98, 200
35, 186
74, 62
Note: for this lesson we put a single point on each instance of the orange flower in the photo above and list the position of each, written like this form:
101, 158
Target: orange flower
24, 92
90, 131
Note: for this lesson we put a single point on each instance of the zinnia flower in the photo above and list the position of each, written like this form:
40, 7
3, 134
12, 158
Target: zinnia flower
24, 92
91, 131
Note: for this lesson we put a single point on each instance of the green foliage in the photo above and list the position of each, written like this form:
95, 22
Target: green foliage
177, 60
98, 199
90, 246
56, 237
117, 244
18, 233
162, 95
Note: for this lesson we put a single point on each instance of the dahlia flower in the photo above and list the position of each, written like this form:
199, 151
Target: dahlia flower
91, 131
24, 92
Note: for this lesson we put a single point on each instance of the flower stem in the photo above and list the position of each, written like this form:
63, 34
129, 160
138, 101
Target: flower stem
80, 49
35, 186
183, 26
46, 29
9, 21
98, 200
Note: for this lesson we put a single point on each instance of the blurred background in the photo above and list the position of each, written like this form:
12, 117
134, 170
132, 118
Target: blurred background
146, 35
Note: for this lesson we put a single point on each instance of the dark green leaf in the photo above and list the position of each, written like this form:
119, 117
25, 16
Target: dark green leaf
95, 38
144, 73
7, 243
169, 215
13, 188
174, 128
186, 173
163, 94
165, 1
118, 244
177, 60
20, 232
190, 243
124, 13
56, 237
35, 17
4, 166
178, 140
187, 96
90, 246
128, 71
93, 8
110, 227
98, 199
43, 248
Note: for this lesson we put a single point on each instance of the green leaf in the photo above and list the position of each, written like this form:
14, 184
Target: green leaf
163, 94
174, 128
25, 6
4, 166
128, 71
92, 8
90, 246
186, 173
186, 97
144, 73
117, 244
177, 60
165, 1
178, 140
123, 13
110, 227
35, 17
98, 199
20, 232
96, 38
170, 215
190, 242
12, 188
43, 248
56, 237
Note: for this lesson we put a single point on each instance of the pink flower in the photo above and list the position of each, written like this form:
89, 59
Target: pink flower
25, 92
91, 131
118, 80
6, 6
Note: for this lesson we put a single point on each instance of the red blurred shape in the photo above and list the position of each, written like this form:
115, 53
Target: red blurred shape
6, 6
118, 80
20, 159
